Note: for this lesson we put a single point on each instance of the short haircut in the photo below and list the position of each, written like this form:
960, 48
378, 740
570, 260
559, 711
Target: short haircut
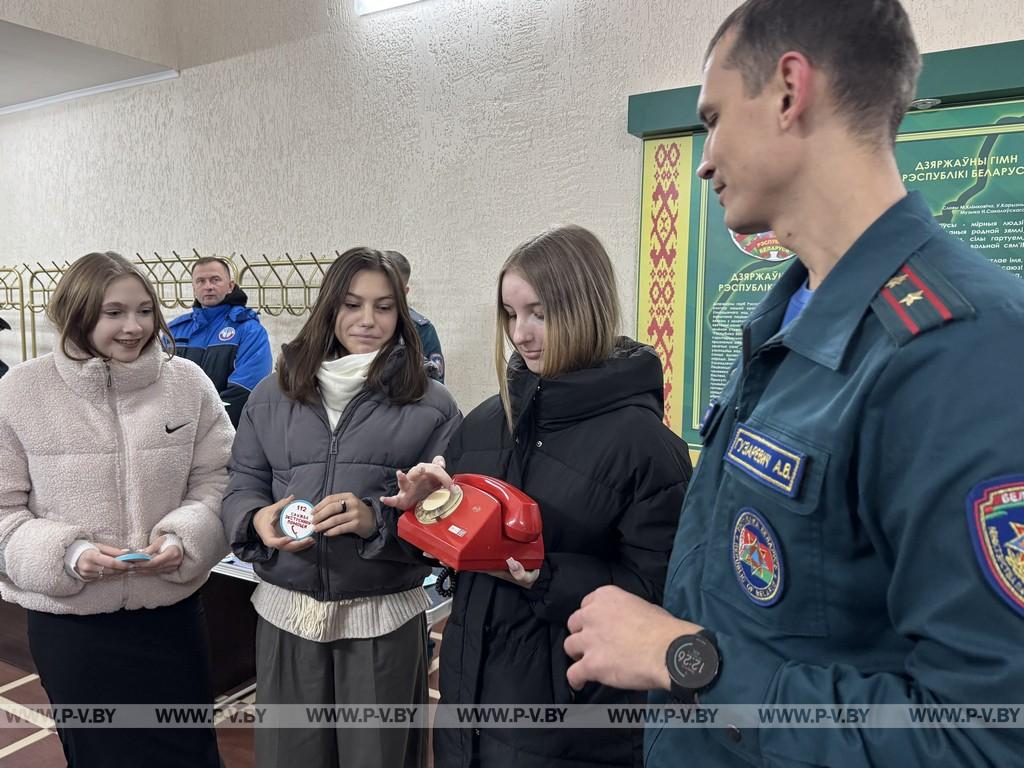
401, 264
212, 260
78, 299
866, 47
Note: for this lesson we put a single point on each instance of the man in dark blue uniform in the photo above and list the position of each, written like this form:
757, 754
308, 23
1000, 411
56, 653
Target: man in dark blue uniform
427, 333
223, 336
854, 533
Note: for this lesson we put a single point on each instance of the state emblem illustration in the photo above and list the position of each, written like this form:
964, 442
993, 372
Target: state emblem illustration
757, 561
995, 515
763, 245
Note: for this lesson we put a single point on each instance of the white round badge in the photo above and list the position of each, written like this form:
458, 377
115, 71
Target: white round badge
297, 519
226, 334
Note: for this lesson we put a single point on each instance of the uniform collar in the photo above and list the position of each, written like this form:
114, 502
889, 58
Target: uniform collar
823, 331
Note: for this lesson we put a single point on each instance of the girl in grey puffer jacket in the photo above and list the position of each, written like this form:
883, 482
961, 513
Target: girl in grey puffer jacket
341, 610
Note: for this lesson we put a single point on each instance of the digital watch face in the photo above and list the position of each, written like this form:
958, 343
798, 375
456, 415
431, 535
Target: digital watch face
693, 662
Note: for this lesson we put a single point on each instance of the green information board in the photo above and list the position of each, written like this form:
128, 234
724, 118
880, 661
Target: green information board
967, 161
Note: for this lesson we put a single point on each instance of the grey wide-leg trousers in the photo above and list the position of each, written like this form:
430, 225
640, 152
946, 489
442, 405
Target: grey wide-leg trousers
391, 669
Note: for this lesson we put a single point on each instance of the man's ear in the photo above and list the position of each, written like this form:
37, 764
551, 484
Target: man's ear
793, 80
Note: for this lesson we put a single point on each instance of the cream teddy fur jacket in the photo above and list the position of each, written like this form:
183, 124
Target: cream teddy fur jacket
112, 453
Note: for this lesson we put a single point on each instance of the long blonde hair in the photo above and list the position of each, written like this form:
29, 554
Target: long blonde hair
573, 277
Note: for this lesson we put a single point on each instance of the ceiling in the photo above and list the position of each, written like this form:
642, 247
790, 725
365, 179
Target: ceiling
38, 66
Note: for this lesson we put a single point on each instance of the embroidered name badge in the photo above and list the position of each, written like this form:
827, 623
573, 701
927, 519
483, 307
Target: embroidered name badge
226, 334
756, 558
766, 460
995, 516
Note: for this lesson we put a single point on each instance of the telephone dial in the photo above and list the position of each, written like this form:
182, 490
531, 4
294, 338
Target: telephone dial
476, 525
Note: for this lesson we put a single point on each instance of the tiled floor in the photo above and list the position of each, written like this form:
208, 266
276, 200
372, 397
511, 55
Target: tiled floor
31, 742
25, 743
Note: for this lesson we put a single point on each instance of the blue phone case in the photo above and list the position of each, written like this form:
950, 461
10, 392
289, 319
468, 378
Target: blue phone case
133, 557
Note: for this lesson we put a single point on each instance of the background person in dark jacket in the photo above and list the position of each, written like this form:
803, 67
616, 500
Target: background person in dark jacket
424, 328
332, 428
223, 336
578, 427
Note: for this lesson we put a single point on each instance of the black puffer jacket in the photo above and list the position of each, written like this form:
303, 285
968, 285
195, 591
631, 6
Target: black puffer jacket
287, 448
590, 447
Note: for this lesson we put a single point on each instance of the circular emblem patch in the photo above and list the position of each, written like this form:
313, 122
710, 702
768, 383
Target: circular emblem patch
438, 360
995, 515
226, 334
756, 558
764, 246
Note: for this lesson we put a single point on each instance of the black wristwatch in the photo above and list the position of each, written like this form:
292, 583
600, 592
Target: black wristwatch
693, 665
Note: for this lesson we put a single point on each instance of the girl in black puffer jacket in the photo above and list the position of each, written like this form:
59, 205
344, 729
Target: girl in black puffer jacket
578, 426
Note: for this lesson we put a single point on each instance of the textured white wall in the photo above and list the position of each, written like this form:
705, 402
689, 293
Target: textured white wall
449, 130
139, 28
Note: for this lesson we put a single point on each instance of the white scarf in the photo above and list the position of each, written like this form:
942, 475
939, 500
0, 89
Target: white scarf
340, 380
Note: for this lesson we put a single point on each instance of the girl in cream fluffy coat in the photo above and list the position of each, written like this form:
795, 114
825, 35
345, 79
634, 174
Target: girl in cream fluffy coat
110, 445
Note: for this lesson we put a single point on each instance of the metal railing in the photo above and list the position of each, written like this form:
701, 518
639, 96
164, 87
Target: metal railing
287, 285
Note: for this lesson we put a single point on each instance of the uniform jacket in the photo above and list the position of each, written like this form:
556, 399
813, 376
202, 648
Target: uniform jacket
859, 435
431, 344
286, 448
229, 344
609, 477
114, 454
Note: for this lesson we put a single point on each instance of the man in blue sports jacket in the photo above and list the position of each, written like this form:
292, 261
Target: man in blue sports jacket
854, 532
223, 336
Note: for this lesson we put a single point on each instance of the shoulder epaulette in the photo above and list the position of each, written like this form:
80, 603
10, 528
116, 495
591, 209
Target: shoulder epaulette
417, 317
918, 299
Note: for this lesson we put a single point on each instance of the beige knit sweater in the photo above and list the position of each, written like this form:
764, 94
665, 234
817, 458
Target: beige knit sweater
112, 453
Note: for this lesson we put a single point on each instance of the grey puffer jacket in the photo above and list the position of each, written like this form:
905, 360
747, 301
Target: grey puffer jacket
284, 447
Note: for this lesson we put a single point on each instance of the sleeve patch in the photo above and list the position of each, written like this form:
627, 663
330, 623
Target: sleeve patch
438, 360
995, 518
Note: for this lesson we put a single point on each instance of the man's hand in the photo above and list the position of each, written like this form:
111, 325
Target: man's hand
620, 640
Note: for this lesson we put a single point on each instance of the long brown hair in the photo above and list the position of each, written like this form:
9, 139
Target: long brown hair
574, 280
77, 300
301, 358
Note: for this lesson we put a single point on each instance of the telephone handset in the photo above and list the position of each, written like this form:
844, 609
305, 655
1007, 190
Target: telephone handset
477, 525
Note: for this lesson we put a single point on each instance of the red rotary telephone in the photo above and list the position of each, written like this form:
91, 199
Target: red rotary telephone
476, 526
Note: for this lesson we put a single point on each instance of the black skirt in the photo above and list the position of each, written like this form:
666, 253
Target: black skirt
146, 656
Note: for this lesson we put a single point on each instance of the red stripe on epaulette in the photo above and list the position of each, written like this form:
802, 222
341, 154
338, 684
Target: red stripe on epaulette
935, 301
911, 325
